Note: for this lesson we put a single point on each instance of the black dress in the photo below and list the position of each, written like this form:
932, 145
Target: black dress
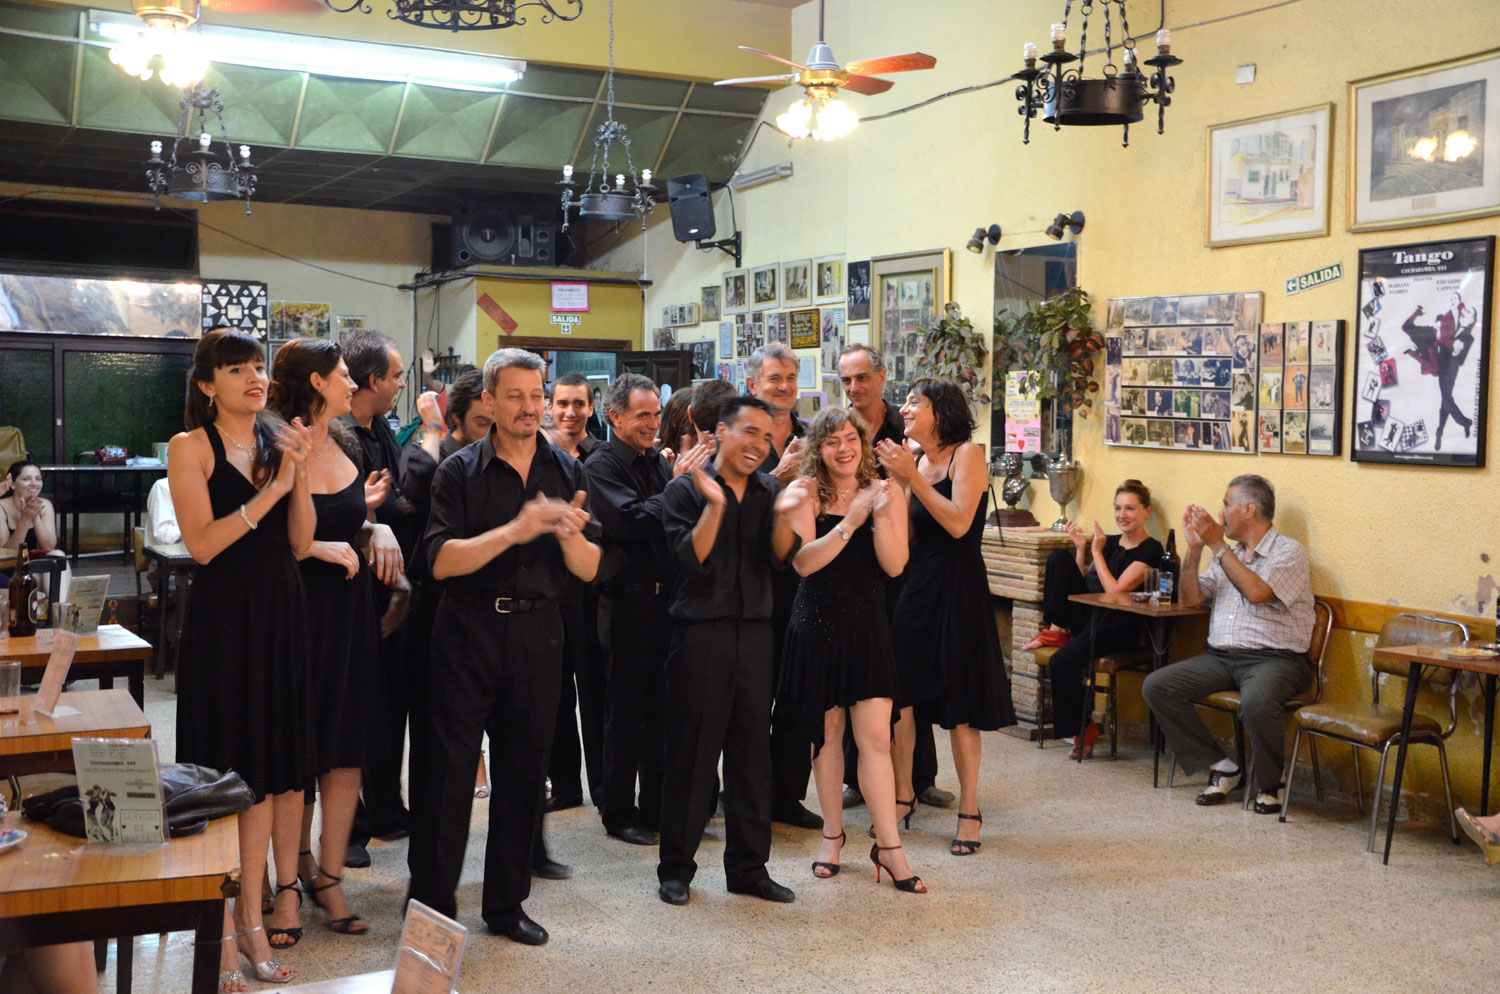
345, 637
838, 649
952, 669
244, 676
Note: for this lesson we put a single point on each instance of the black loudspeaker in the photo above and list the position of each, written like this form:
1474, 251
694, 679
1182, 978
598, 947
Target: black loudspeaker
504, 236
692, 211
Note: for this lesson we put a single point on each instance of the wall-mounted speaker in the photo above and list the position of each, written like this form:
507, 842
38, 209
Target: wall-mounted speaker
692, 210
508, 235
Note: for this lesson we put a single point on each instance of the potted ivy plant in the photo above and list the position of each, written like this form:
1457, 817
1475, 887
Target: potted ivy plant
953, 350
1055, 340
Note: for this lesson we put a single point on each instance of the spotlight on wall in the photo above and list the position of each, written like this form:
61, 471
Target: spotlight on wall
1070, 222
982, 235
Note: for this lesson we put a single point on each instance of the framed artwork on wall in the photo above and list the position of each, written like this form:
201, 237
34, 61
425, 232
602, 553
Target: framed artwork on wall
796, 283
802, 328
1268, 177
828, 279
736, 292
1421, 364
906, 293
859, 291
709, 303
237, 304
1424, 144
1300, 380
763, 287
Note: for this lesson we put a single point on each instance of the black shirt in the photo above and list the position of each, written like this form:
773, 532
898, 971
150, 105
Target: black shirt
382, 451
474, 490
893, 428
417, 471
625, 488
1119, 558
734, 583
799, 428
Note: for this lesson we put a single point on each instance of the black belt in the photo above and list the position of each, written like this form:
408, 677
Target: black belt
512, 605
636, 588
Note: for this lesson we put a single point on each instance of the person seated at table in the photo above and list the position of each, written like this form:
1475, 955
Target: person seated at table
28, 520
1099, 564
67, 966
161, 516
1259, 629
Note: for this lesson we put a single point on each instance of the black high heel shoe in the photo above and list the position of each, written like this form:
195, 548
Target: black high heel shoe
965, 847
911, 885
832, 868
911, 809
345, 925
295, 934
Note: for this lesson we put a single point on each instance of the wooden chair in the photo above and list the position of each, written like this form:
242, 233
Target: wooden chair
1371, 726
1138, 661
1228, 702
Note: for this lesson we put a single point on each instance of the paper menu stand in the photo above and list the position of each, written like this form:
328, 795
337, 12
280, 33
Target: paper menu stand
87, 594
120, 786
64, 645
430, 953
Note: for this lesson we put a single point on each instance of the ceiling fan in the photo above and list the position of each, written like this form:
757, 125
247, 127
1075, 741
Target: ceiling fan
821, 78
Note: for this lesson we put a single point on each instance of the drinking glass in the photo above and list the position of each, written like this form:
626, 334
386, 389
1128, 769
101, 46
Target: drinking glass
1152, 583
10, 686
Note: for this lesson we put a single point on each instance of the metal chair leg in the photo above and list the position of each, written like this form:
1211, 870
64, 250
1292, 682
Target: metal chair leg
1379, 793
1312, 743
1113, 707
1447, 791
1291, 773
1171, 767
1359, 787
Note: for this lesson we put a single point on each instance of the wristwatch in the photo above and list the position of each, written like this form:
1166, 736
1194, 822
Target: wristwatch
1220, 554
842, 534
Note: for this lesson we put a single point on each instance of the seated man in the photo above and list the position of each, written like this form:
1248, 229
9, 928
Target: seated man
1258, 634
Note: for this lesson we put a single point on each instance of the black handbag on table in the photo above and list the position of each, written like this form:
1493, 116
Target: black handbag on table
192, 796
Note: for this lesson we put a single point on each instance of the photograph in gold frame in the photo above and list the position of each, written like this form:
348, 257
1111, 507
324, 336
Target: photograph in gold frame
1269, 177
904, 281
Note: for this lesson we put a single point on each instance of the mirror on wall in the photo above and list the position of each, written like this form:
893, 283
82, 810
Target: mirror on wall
1024, 276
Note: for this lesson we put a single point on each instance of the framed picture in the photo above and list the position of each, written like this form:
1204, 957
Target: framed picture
1268, 177
763, 288
857, 334
1421, 365
726, 339
1424, 144
828, 279
796, 283
802, 328
736, 292
345, 325
300, 319
859, 291
708, 307
906, 292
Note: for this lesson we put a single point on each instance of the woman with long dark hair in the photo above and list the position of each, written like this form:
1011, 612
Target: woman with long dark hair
239, 482
838, 654
310, 383
953, 673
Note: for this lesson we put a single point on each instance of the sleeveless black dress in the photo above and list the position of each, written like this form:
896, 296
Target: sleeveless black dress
244, 686
838, 648
952, 669
345, 633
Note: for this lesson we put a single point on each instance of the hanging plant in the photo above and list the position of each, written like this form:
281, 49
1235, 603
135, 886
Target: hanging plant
953, 350
1055, 341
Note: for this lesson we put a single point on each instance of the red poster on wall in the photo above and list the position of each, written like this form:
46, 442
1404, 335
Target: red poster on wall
497, 313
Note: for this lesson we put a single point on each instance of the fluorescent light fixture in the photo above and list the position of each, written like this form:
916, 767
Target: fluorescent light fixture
743, 181
334, 56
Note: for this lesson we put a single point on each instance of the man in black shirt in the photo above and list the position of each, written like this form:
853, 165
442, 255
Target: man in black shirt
507, 527
724, 532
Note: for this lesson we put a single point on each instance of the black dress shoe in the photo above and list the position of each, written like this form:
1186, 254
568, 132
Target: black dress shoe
551, 869
673, 892
520, 929
766, 889
635, 835
357, 857
936, 797
798, 816
393, 834
563, 803
852, 797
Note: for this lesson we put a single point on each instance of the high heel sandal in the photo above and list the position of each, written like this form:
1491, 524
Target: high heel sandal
266, 970
345, 925
911, 885
966, 847
1485, 839
232, 981
1085, 743
295, 933
911, 809
305, 881
832, 868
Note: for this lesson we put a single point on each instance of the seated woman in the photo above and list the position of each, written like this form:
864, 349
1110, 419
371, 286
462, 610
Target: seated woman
1098, 565
27, 519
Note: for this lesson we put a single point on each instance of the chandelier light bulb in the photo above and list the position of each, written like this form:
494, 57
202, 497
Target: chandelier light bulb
245, 153
796, 120
567, 172
205, 140
835, 120
645, 177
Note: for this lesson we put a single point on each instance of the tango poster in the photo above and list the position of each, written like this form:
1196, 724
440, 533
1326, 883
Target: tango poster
1421, 373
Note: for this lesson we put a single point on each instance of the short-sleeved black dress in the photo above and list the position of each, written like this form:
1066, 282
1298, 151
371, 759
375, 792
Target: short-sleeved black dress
244, 687
838, 648
344, 635
948, 650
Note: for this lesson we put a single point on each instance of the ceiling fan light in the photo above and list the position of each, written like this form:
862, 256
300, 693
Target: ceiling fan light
796, 120
134, 56
183, 60
835, 120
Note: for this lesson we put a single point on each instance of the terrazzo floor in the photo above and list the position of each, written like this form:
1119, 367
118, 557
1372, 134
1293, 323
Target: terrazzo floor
1089, 880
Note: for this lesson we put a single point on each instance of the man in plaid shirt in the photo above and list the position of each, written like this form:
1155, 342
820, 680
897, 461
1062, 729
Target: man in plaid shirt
1258, 634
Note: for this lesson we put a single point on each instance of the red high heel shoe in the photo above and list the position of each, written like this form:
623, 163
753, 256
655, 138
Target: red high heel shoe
911, 885
1085, 742
831, 868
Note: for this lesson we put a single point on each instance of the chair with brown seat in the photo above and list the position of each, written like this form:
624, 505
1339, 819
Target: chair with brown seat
1371, 726
1228, 702
1112, 665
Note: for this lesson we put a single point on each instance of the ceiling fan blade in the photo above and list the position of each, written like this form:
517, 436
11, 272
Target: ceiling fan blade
868, 85
293, 7
773, 58
891, 63
746, 80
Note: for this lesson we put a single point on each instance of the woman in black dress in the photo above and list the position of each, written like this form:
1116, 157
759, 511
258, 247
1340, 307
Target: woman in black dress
239, 483
952, 671
310, 382
1099, 564
838, 653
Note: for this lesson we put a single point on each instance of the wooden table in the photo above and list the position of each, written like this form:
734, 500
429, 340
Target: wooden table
170, 560
1160, 618
110, 652
1416, 657
34, 743
58, 888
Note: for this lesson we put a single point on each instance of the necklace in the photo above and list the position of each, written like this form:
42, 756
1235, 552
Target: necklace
236, 442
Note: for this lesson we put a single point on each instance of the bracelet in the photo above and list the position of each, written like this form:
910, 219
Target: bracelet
253, 525
842, 534
1220, 554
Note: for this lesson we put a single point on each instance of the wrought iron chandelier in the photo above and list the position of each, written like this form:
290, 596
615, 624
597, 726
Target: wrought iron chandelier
631, 195
467, 15
1064, 95
194, 170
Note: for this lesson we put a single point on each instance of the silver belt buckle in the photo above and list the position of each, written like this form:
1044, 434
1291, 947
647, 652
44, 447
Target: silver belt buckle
499, 609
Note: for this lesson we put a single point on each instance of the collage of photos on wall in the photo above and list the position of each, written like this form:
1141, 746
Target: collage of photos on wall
1301, 366
1180, 372
908, 304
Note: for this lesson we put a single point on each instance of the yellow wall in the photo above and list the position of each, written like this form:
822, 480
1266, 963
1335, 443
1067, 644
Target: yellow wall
1422, 538
614, 311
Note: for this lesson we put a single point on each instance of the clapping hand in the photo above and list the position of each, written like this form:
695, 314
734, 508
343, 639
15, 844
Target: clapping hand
695, 458
31, 507
1099, 539
897, 460
709, 488
863, 504
1078, 535
377, 488
539, 516
574, 517
427, 407
791, 461
795, 494
1201, 528
294, 440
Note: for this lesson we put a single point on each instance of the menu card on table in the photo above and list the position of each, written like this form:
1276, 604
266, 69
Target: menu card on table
431, 951
64, 645
87, 594
120, 787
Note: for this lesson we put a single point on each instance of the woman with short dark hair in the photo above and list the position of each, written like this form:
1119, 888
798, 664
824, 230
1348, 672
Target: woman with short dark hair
952, 670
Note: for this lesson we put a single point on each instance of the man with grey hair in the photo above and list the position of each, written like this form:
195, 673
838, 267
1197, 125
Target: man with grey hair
508, 524
1258, 633
771, 376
